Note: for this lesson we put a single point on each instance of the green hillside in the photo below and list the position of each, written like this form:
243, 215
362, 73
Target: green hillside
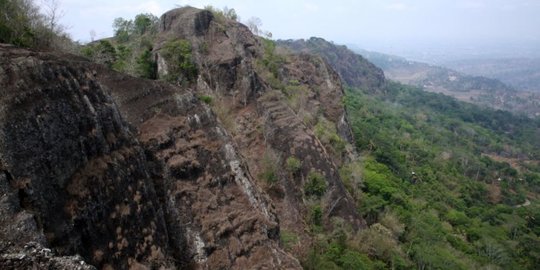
432, 191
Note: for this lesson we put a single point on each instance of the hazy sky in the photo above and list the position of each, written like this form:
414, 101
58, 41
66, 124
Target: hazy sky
363, 22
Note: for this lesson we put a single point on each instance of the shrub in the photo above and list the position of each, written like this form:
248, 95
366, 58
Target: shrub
206, 99
271, 60
269, 169
316, 215
23, 24
288, 239
293, 164
179, 57
146, 67
269, 176
123, 55
103, 52
316, 184
326, 132
457, 218
222, 14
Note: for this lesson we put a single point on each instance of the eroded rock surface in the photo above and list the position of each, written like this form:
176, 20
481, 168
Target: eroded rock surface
137, 174
151, 182
266, 119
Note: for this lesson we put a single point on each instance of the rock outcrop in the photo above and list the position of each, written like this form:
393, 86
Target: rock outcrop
223, 50
73, 173
130, 173
152, 181
271, 114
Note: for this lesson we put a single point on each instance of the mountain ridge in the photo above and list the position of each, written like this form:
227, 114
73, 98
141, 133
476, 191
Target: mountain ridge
239, 152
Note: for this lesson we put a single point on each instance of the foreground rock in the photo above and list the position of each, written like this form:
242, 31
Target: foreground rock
127, 173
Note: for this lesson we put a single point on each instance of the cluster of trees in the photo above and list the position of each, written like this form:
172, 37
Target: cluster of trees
143, 23
130, 50
23, 24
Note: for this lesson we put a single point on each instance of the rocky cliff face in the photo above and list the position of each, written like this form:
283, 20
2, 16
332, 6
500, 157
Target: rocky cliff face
123, 171
73, 174
224, 51
134, 174
276, 107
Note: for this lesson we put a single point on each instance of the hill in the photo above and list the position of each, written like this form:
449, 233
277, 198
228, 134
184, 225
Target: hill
188, 142
476, 89
352, 68
521, 73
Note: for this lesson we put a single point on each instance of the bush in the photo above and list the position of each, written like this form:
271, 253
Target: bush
269, 168
316, 215
271, 60
316, 184
103, 52
269, 176
179, 58
146, 66
123, 55
288, 239
326, 131
293, 164
457, 218
206, 99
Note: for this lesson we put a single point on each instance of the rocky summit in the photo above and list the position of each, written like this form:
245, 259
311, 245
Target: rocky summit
102, 170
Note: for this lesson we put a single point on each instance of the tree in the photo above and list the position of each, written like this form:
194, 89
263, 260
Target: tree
146, 67
178, 54
145, 22
92, 35
254, 24
53, 15
122, 29
22, 24
230, 13
226, 13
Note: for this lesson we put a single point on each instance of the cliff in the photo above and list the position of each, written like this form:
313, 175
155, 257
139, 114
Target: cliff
205, 168
123, 171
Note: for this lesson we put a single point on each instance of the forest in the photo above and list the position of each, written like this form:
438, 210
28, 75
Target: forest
445, 185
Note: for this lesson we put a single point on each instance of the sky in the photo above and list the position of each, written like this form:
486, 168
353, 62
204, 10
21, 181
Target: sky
371, 24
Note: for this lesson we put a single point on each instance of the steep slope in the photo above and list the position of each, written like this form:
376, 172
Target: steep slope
353, 69
79, 181
271, 104
71, 168
208, 189
357, 71
106, 147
